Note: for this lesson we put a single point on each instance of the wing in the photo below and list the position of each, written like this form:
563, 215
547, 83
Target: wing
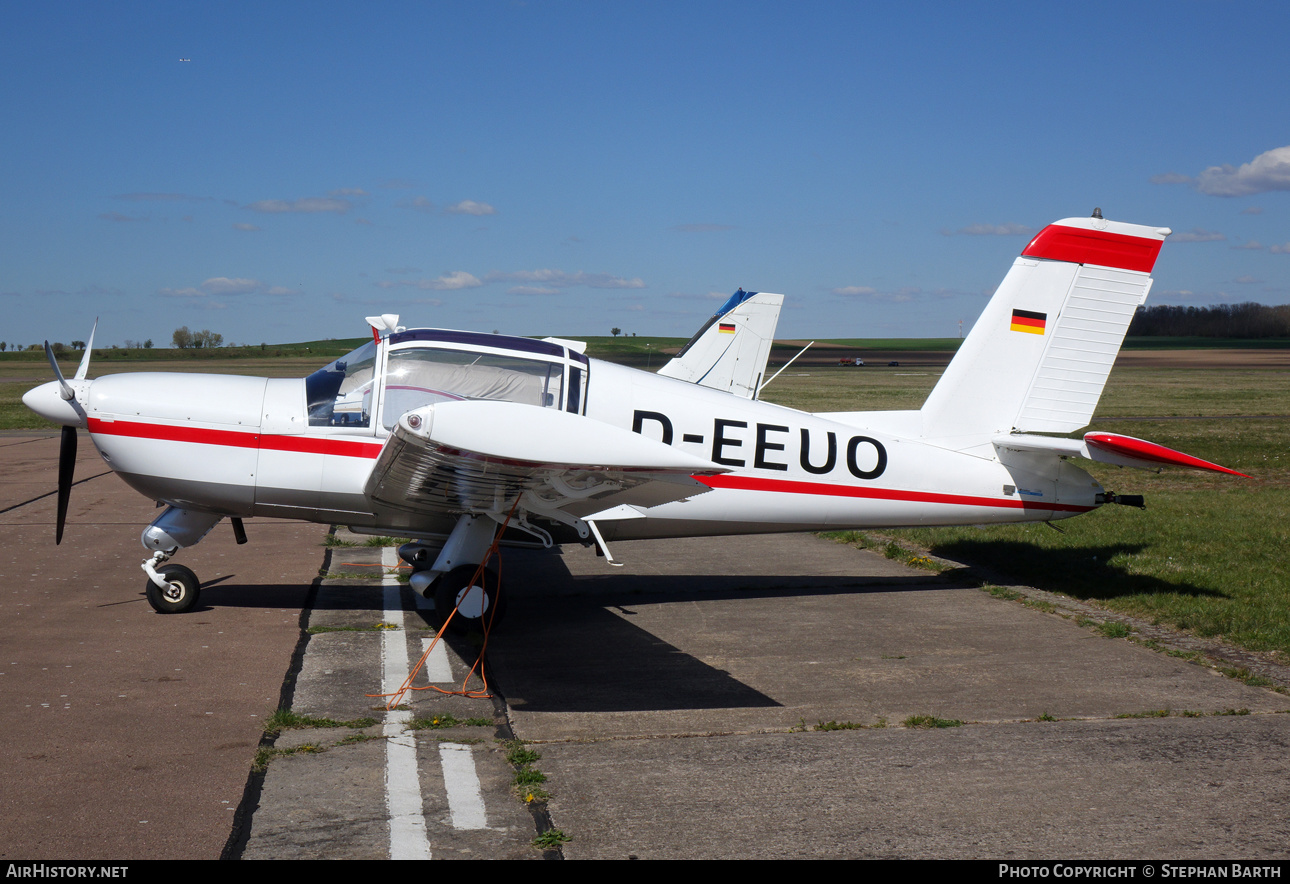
453, 458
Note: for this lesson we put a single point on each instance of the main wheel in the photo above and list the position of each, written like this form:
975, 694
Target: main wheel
478, 604
181, 592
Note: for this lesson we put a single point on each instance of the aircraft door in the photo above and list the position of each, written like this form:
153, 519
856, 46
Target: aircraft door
287, 482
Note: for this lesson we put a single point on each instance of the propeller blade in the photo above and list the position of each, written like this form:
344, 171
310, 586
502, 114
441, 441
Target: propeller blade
66, 467
64, 389
89, 348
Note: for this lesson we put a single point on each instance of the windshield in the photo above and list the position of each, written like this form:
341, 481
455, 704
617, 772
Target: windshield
420, 376
340, 393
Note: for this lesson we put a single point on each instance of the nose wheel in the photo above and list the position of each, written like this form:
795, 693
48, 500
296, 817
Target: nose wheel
180, 593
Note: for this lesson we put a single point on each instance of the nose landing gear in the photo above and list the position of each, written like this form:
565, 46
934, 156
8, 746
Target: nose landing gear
174, 589
180, 592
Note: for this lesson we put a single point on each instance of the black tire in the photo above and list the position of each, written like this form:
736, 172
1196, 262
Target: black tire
451, 591
180, 596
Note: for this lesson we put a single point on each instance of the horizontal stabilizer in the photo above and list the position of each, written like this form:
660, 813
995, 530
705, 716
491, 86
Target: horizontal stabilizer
1112, 448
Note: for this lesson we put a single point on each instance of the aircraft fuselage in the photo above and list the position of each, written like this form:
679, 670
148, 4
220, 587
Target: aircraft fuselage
244, 447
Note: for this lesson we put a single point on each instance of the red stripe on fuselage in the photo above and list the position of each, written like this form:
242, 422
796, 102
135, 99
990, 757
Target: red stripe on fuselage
235, 438
789, 486
1079, 245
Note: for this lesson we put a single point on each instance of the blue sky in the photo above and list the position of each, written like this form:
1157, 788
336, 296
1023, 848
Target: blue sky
277, 171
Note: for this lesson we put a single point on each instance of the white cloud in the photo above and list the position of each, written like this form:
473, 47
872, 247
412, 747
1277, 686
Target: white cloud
1253, 245
420, 203
348, 191
1247, 280
899, 296
470, 207
1196, 234
218, 285
1280, 250
162, 197
1252, 210
562, 279
119, 218
222, 285
244, 226
307, 205
992, 230
1268, 171
343, 298
707, 296
458, 279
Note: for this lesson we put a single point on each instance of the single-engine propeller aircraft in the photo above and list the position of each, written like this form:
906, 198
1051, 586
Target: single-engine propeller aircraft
443, 436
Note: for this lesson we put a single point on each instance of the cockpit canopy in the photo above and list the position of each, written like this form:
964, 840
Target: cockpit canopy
410, 369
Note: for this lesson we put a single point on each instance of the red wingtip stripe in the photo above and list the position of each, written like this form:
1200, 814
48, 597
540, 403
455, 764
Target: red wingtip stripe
1150, 451
1079, 245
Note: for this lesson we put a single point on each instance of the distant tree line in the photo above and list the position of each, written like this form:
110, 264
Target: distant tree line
1248, 320
183, 338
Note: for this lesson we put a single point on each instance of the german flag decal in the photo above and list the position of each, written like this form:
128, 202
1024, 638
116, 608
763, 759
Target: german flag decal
1026, 321
727, 328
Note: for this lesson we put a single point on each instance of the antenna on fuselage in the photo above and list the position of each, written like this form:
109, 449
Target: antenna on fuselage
781, 371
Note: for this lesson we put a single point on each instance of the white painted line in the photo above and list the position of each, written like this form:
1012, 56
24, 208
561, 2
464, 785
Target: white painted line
438, 670
403, 790
402, 782
465, 801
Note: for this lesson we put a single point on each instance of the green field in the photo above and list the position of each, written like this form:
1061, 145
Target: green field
1210, 553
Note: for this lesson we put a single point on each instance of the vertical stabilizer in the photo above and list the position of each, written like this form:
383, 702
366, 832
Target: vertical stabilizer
730, 351
1038, 357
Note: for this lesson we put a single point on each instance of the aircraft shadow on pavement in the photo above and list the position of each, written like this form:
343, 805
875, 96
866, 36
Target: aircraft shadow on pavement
1084, 572
569, 644
226, 592
578, 656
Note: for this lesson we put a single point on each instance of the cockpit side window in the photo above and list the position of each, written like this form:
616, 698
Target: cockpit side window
420, 376
340, 393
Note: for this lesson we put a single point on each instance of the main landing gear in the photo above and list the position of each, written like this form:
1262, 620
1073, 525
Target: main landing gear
447, 574
479, 603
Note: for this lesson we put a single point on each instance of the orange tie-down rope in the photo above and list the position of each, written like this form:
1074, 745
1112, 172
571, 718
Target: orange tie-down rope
397, 697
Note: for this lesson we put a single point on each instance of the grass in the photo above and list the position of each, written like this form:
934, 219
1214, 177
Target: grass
930, 721
551, 839
375, 627
284, 719
445, 720
527, 777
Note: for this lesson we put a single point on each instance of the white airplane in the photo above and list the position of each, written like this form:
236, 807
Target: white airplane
445, 436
